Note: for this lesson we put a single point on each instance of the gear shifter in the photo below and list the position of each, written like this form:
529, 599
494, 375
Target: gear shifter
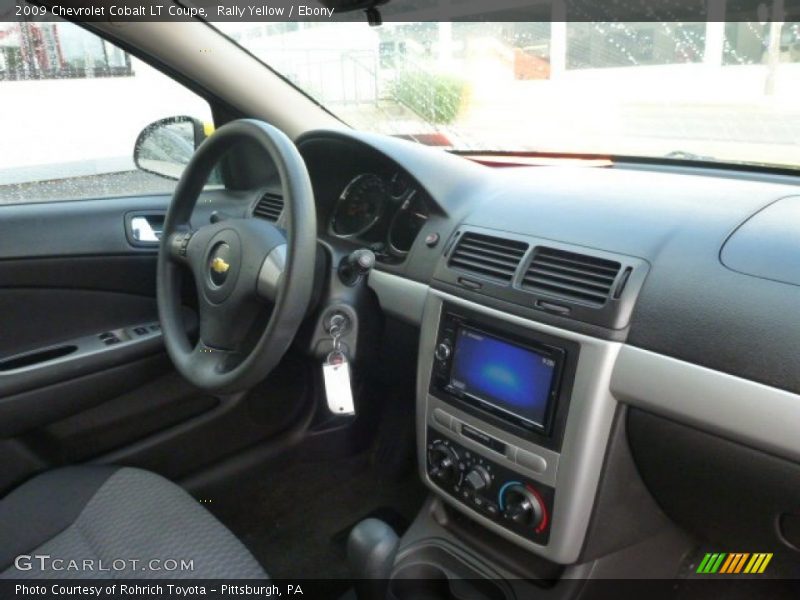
371, 549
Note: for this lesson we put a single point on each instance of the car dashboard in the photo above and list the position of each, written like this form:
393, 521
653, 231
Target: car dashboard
643, 285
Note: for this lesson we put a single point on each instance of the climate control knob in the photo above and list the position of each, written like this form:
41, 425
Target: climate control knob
442, 463
522, 506
478, 479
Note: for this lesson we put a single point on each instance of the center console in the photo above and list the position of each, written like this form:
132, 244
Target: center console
516, 381
513, 420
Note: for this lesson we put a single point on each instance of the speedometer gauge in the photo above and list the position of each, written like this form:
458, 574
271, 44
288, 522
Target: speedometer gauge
359, 207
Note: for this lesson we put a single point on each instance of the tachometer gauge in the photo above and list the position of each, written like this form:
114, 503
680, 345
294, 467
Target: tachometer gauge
407, 223
359, 207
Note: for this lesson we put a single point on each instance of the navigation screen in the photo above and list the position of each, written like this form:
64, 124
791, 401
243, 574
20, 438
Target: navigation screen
511, 378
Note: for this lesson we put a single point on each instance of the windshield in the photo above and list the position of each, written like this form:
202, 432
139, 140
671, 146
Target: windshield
701, 91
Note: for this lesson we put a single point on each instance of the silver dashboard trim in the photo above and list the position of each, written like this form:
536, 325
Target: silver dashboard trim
742, 410
400, 297
588, 428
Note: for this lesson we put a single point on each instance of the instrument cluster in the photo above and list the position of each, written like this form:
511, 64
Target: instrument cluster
385, 212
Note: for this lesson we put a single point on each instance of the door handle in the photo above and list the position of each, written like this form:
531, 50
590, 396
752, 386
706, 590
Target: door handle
142, 231
144, 228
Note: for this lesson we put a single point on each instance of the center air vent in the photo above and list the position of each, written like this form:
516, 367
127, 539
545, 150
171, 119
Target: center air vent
571, 276
489, 256
269, 207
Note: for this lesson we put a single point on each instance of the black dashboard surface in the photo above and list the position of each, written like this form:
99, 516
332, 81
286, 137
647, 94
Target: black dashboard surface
690, 307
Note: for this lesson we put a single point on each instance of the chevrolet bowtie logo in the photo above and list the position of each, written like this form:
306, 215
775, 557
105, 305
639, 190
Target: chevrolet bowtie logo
219, 266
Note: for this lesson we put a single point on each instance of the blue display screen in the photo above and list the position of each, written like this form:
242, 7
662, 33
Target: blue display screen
514, 379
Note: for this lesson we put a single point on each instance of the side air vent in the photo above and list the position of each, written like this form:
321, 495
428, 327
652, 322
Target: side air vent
489, 256
269, 207
571, 276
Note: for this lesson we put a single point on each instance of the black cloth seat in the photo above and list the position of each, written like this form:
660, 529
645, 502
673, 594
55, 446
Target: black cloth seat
106, 515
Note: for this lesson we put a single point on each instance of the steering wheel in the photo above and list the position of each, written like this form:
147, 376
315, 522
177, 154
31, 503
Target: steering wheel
254, 281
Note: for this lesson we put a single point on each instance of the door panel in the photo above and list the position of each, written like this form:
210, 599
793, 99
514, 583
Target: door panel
163, 400
67, 277
69, 273
130, 274
45, 404
73, 228
33, 318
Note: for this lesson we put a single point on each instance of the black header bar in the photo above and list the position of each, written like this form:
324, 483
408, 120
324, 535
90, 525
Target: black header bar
402, 10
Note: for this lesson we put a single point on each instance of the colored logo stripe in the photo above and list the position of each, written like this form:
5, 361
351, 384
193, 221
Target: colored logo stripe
733, 563
711, 563
758, 563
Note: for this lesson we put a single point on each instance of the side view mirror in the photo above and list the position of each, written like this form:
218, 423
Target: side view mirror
165, 146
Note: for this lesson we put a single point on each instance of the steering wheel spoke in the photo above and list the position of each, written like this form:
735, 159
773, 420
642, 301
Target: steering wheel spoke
205, 360
270, 276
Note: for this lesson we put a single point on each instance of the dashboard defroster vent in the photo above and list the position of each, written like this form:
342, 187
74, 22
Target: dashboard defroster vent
488, 256
269, 207
572, 276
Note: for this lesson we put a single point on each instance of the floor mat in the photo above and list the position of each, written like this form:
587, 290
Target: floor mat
297, 517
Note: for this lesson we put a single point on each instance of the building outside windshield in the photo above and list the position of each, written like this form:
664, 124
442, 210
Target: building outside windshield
710, 91
673, 90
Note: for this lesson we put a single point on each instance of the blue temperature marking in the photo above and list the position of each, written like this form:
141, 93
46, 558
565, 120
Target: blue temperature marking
502, 490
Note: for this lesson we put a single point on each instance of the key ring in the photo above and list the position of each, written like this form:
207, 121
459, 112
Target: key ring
336, 357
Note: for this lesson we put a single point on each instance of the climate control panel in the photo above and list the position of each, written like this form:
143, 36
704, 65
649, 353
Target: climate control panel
498, 493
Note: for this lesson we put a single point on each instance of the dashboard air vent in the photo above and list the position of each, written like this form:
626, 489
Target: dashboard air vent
489, 256
269, 207
571, 276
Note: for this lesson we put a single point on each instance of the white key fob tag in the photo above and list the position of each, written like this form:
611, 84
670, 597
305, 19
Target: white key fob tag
336, 372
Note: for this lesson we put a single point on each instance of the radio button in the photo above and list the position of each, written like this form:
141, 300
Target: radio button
482, 438
442, 418
443, 351
529, 460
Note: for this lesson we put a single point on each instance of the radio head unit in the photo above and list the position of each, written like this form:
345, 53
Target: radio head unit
510, 379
